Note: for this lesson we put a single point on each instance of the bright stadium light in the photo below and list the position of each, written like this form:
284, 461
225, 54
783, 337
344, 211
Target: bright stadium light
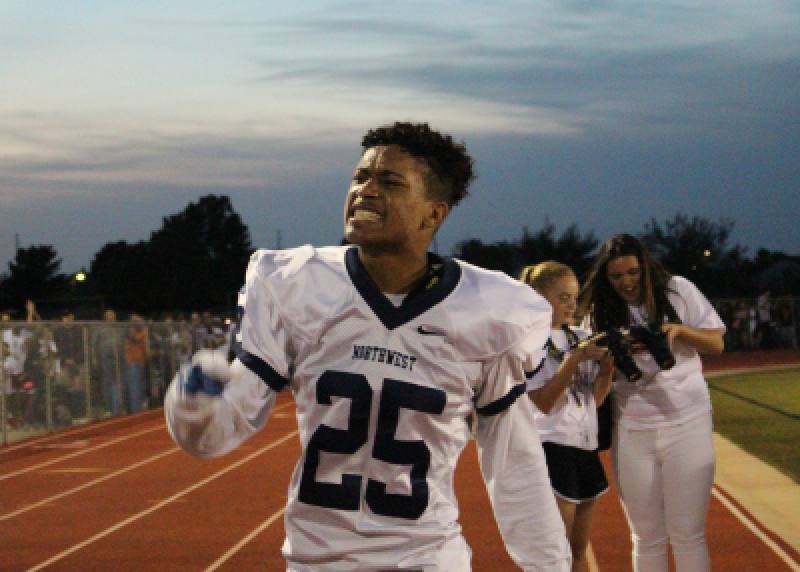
80, 276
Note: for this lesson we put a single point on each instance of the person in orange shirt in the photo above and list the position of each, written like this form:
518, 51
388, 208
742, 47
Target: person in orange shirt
136, 344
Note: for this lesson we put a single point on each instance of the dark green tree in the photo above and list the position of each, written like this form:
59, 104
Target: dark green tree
198, 257
698, 249
501, 256
119, 273
571, 248
777, 272
34, 274
4, 300
195, 261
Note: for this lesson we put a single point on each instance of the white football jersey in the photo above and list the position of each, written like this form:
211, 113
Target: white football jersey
383, 396
573, 419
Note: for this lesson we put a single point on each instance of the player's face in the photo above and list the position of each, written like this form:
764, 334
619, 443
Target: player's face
387, 207
625, 276
562, 295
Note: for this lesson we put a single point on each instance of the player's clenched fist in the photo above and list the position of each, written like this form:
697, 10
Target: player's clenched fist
208, 373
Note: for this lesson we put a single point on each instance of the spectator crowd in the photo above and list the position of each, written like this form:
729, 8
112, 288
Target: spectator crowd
58, 372
761, 323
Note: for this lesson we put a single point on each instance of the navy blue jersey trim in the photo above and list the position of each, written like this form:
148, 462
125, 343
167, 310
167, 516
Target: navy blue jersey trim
441, 280
235, 347
500, 405
263, 370
531, 374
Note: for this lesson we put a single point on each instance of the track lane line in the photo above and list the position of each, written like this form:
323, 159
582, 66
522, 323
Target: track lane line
102, 445
60, 434
81, 452
239, 545
96, 481
591, 560
88, 484
161, 504
752, 527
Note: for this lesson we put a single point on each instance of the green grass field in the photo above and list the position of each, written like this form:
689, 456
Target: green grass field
760, 412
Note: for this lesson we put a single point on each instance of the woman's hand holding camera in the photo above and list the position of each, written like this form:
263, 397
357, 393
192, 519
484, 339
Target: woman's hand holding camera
705, 341
673, 331
588, 350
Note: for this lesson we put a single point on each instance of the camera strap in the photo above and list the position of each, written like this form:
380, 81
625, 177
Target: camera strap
672, 315
572, 338
572, 341
669, 312
552, 351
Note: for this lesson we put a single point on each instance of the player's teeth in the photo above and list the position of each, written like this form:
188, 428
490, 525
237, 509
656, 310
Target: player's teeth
365, 215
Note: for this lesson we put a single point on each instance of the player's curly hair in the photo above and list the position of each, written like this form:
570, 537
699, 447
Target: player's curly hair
449, 160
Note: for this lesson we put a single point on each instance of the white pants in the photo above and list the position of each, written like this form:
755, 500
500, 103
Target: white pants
664, 477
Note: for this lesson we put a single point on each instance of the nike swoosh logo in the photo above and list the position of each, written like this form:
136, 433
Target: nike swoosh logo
426, 332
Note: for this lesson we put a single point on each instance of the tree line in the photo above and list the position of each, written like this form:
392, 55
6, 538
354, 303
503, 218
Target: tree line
197, 260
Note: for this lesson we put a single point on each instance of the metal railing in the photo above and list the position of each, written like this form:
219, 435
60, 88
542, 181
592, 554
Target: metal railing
59, 374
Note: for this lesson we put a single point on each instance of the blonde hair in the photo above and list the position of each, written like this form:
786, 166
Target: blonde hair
542, 276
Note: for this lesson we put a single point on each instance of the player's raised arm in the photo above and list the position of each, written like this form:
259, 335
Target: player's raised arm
513, 462
212, 406
514, 468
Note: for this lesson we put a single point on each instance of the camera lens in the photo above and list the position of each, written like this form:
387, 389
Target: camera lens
620, 351
655, 340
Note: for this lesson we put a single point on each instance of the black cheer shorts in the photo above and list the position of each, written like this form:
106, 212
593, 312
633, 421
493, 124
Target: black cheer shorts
576, 475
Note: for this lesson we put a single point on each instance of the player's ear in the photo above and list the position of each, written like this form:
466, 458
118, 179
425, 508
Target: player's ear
437, 212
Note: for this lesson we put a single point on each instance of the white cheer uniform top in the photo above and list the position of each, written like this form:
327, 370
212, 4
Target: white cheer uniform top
573, 419
383, 394
663, 398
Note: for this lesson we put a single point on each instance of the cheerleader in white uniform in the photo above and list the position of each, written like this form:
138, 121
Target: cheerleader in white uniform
567, 388
662, 447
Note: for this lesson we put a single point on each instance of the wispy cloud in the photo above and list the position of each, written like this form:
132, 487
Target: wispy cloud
136, 104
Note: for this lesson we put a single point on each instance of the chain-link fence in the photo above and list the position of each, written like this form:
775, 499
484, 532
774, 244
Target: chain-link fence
59, 374
56, 374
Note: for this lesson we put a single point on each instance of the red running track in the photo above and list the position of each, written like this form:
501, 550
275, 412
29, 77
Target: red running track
118, 495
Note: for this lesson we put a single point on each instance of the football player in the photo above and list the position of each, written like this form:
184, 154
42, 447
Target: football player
388, 351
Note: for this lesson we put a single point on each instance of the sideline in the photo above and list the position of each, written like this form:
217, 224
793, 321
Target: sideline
755, 402
771, 497
715, 373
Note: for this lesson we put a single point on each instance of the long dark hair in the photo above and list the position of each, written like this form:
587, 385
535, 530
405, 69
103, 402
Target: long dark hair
600, 302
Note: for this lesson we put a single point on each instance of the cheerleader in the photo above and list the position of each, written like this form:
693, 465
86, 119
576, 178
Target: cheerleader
567, 388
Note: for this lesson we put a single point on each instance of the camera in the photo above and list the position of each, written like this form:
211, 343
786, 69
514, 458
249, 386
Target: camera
620, 347
619, 343
655, 340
